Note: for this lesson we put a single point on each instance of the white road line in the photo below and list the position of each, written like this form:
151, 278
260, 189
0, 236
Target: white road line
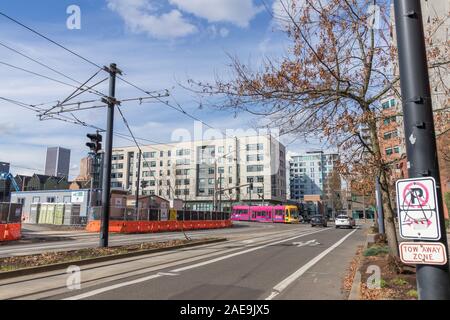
297, 274
242, 252
109, 288
127, 283
167, 274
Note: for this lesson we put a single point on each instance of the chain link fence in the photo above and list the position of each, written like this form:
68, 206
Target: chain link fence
10, 212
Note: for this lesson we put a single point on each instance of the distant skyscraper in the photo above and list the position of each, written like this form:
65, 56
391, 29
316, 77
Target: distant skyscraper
57, 162
4, 167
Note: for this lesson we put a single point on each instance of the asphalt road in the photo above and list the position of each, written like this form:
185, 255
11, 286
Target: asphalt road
260, 261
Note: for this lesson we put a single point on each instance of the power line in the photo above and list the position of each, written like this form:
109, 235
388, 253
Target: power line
178, 108
44, 65
77, 121
50, 40
44, 76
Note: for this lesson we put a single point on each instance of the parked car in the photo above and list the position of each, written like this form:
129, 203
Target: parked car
318, 220
344, 221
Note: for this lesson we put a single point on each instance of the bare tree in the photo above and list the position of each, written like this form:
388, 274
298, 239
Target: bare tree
327, 86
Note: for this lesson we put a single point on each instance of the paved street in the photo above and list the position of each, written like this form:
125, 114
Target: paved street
259, 261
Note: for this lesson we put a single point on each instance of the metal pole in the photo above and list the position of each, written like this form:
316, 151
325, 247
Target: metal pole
107, 158
220, 192
215, 186
379, 206
433, 281
136, 205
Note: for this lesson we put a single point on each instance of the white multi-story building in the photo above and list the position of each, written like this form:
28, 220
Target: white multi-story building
308, 172
196, 171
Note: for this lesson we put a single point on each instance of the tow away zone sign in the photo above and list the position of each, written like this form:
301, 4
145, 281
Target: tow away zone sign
423, 253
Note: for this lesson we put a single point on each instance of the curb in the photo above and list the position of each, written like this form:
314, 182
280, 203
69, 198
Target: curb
355, 291
356, 285
62, 265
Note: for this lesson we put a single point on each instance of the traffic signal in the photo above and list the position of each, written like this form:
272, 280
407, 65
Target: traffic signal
95, 144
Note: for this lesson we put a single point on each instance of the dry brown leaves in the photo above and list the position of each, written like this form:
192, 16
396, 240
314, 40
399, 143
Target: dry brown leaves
11, 263
347, 282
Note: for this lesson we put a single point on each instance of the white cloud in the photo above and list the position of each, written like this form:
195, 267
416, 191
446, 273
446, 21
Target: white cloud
238, 12
214, 32
142, 17
224, 32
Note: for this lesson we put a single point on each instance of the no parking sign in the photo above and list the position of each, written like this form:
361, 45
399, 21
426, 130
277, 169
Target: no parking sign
417, 209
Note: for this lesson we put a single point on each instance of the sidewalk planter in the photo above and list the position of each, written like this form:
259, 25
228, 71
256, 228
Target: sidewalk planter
116, 226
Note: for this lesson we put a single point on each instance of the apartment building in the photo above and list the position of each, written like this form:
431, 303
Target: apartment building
196, 171
308, 173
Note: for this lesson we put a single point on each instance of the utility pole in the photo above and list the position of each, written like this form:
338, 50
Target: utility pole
220, 192
136, 205
215, 187
433, 281
106, 188
379, 206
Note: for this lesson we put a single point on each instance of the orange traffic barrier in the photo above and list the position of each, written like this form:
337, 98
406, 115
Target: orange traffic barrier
148, 226
2, 232
10, 231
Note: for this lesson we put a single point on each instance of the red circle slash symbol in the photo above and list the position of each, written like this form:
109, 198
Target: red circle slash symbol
415, 195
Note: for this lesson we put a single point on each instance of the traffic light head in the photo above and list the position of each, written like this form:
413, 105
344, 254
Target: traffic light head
95, 144
94, 136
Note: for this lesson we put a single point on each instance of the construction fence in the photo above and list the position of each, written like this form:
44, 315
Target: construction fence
131, 214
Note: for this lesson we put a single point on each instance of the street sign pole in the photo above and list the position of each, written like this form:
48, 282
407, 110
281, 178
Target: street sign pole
433, 281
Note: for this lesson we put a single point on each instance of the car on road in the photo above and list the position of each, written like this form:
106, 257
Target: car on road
343, 221
318, 220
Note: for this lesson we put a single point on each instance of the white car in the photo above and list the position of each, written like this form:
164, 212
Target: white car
344, 221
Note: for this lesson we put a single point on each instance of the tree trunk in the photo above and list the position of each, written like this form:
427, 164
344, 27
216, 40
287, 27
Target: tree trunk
389, 222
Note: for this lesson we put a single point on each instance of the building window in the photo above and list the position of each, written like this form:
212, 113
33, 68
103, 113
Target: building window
117, 157
161, 153
36, 200
397, 149
181, 162
255, 168
149, 154
183, 152
117, 166
255, 146
388, 151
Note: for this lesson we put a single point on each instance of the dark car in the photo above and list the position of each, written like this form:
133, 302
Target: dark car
318, 220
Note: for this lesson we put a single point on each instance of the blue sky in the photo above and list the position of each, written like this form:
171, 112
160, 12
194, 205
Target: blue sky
157, 43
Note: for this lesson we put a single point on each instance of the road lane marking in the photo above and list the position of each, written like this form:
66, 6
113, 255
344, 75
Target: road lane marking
168, 274
200, 264
297, 274
127, 283
311, 243
109, 288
